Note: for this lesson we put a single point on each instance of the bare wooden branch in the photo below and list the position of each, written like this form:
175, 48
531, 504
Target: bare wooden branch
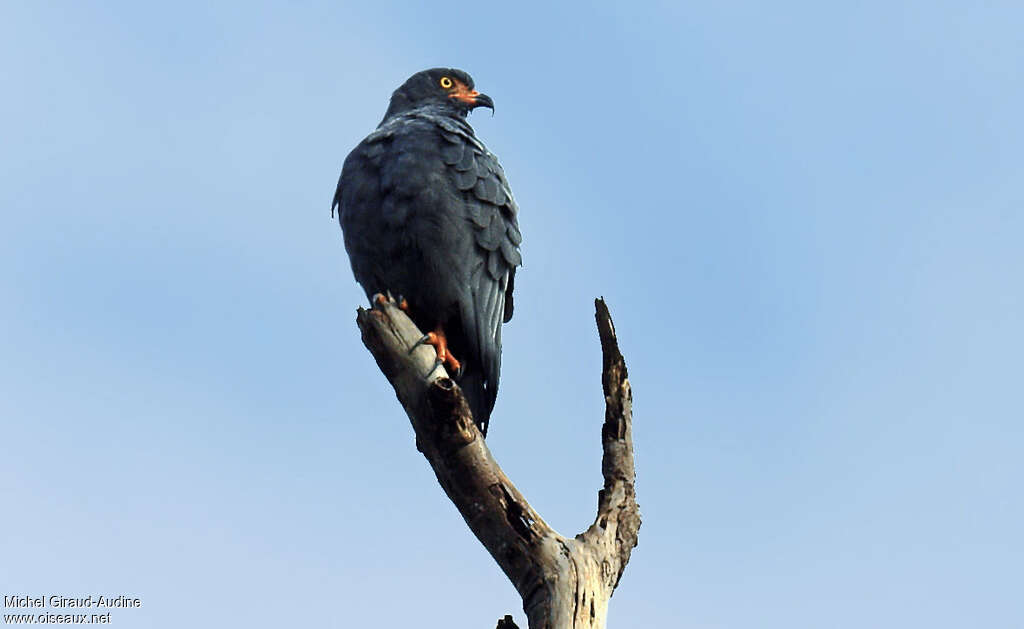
507, 623
563, 582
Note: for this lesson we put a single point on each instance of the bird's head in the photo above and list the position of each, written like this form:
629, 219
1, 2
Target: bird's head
447, 87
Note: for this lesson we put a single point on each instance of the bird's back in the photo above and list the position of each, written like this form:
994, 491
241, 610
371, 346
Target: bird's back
427, 214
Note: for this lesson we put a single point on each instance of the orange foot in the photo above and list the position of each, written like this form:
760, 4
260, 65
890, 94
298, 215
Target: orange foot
444, 356
382, 298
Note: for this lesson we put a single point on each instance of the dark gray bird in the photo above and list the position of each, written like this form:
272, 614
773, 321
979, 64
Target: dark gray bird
427, 215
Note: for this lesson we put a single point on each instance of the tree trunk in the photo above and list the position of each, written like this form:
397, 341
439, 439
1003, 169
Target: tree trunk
564, 583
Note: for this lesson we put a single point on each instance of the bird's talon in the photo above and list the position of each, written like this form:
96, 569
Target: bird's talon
454, 367
437, 363
424, 340
382, 299
444, 357
387, 297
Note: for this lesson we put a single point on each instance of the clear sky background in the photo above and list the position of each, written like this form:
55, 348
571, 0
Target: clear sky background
806, 219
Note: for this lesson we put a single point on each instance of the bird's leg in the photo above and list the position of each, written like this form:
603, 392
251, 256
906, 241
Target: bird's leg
439, 341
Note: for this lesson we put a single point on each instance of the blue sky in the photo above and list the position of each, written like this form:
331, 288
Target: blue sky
806, 220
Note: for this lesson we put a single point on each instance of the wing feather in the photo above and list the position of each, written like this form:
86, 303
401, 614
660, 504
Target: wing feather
490, 211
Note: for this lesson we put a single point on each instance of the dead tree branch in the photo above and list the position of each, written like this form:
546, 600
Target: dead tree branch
563, 582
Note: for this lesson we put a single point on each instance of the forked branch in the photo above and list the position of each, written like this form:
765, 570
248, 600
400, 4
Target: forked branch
564, 582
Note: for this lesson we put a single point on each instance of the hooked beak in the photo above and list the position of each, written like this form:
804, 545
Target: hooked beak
483, 100
471, 98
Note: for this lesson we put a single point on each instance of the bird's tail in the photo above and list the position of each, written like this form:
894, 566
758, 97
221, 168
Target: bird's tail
480, 399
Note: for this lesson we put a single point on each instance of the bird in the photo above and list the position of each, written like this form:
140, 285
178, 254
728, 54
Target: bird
428, 217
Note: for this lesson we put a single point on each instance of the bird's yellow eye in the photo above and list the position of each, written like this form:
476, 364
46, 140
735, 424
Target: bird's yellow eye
446, 83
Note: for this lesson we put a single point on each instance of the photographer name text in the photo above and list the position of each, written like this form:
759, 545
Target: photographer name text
65, 602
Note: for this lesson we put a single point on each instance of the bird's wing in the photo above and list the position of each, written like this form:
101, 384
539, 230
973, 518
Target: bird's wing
383, 185
492, 212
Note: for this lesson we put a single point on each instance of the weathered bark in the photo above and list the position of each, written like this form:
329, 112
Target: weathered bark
563, 582
506, 623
